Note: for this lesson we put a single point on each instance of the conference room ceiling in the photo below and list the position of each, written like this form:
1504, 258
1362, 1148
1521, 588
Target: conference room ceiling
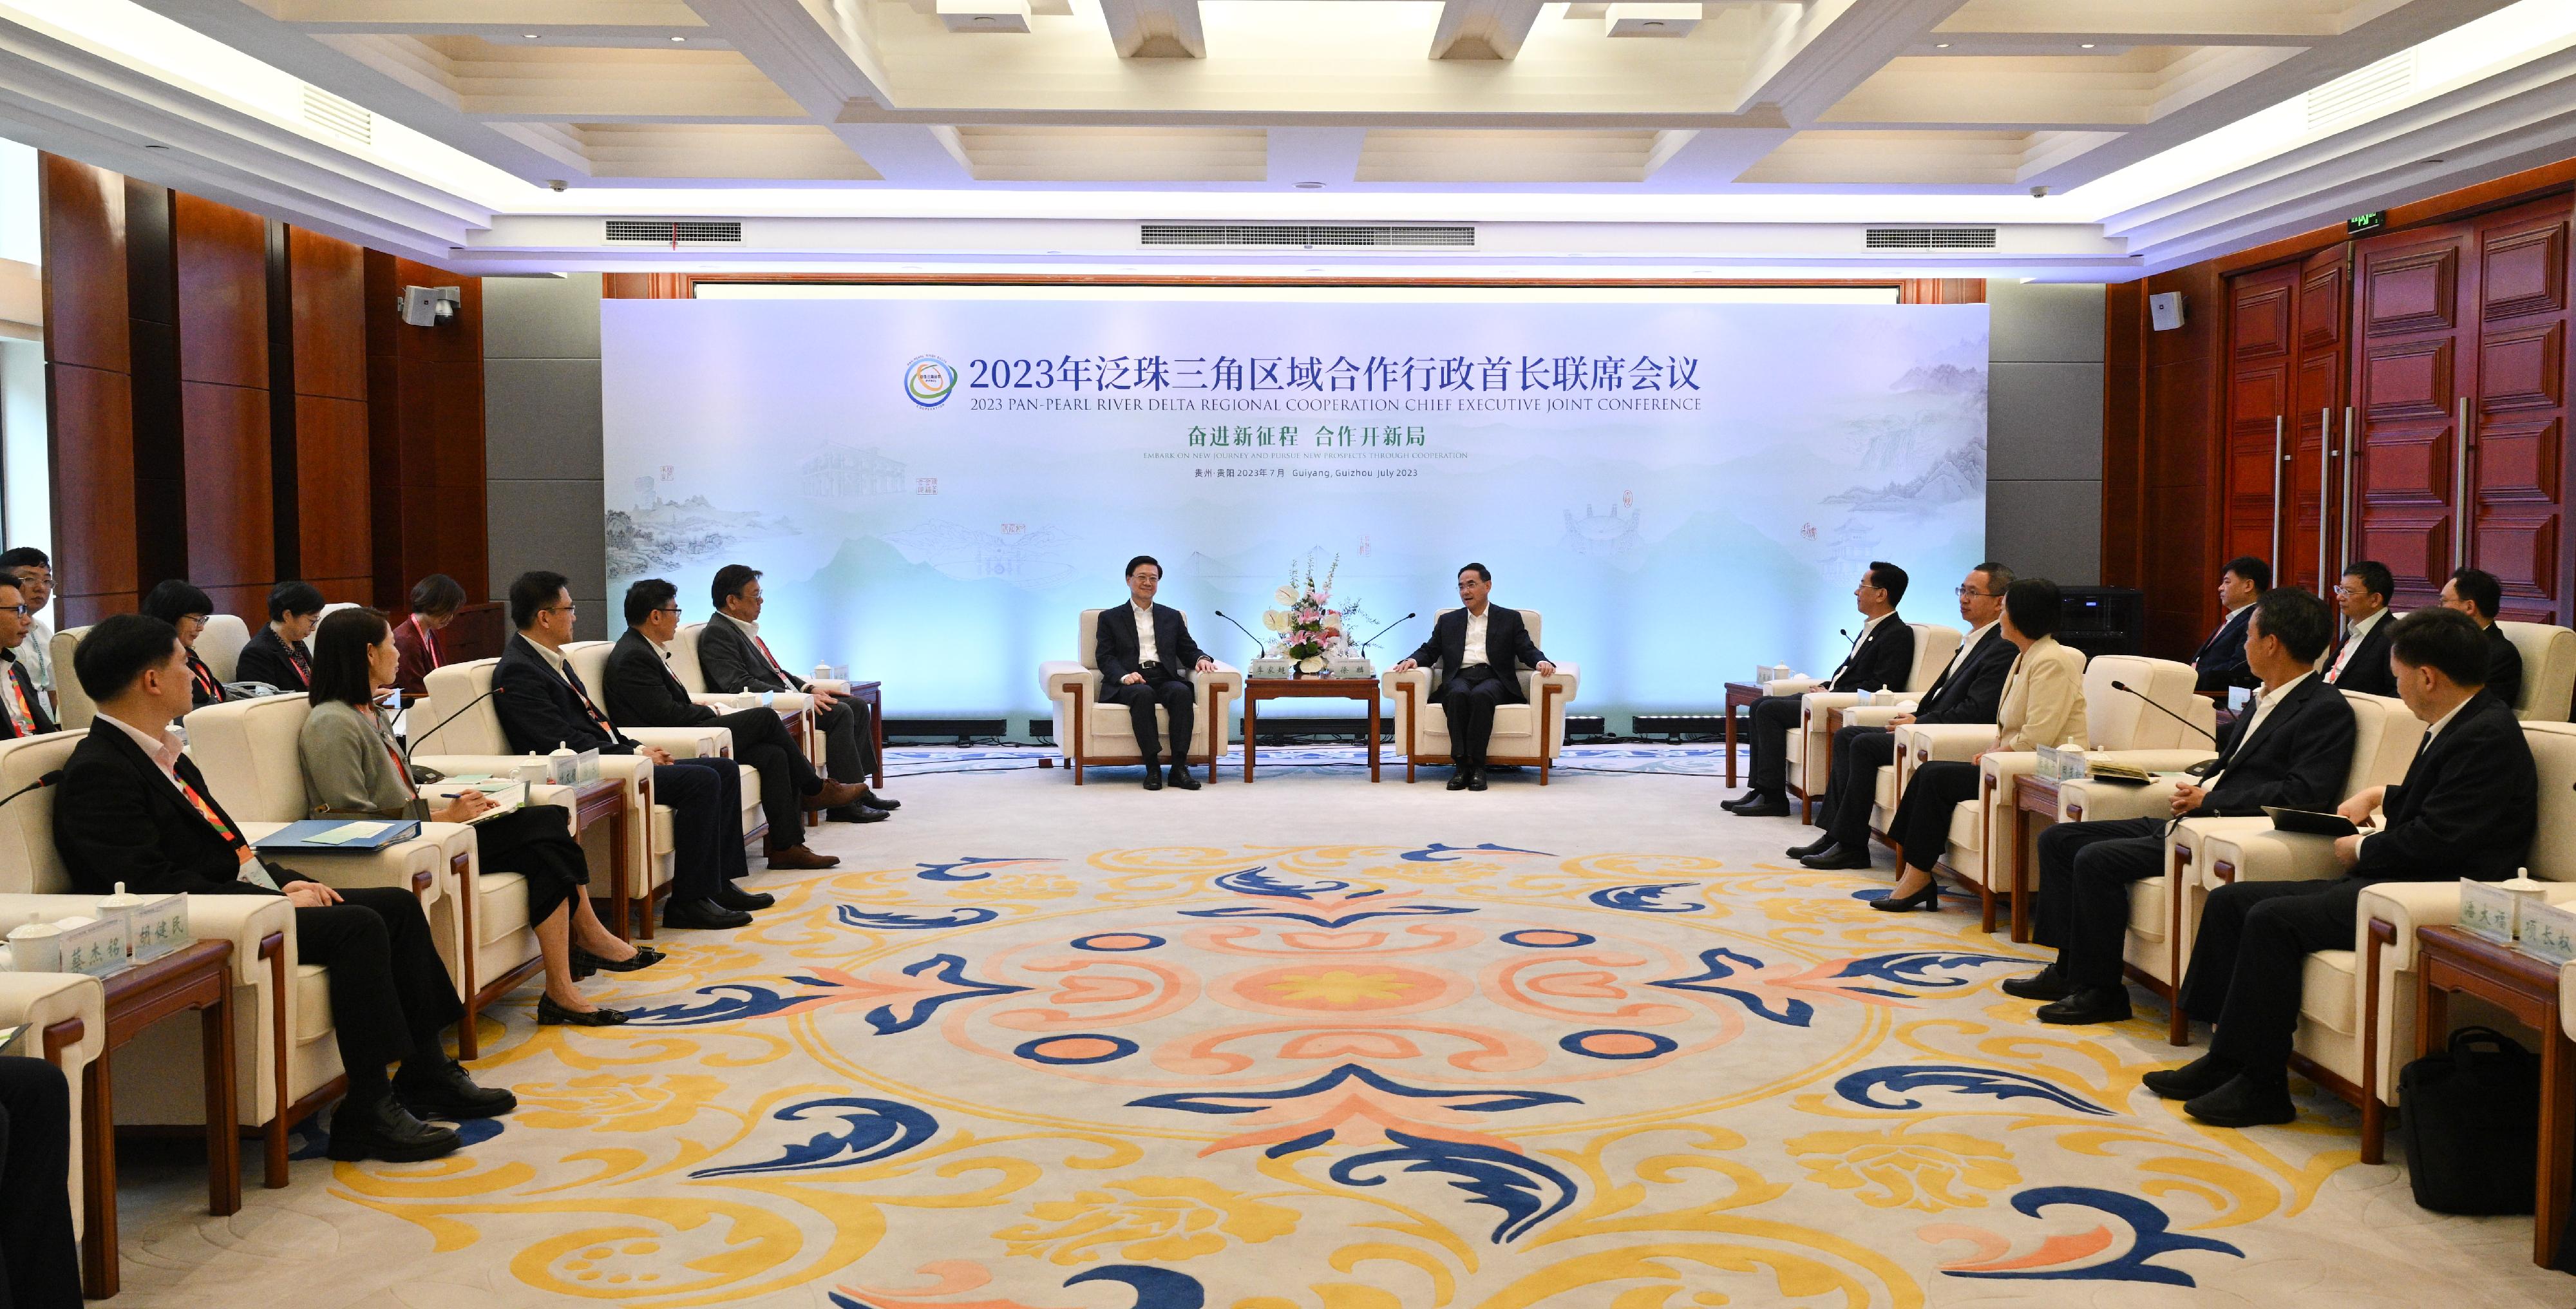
1750, 111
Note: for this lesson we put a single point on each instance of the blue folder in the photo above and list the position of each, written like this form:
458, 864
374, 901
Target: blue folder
297, 837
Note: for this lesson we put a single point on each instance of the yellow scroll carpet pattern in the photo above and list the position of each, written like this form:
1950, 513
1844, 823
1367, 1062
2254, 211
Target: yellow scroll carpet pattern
1341, 1077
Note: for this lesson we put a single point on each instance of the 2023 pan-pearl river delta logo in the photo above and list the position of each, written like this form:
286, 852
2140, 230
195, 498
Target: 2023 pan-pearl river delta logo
929, 380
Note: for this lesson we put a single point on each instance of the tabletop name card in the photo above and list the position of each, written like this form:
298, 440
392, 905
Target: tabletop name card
2494, 909
2548, 932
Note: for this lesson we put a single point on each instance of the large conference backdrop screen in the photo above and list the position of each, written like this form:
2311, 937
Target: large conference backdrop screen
936, 480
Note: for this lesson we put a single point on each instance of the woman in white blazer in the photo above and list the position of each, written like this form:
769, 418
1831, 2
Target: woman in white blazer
2043, 704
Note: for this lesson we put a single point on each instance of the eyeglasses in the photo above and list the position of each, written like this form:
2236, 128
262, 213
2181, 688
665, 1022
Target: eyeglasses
562, 609
19, 609
1965, 591
668, 609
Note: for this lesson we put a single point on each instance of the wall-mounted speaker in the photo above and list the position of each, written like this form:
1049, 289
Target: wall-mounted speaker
2165, 311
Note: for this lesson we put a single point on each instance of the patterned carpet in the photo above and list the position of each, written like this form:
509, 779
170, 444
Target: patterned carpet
1036, 1047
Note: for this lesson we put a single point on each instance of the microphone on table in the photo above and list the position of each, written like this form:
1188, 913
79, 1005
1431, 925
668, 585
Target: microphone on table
1247, 632
1364, 645
39, 784
2118, 685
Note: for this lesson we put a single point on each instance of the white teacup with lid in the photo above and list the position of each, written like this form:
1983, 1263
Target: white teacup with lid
36, 948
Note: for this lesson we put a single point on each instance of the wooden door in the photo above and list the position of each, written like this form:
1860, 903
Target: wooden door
2512, 475
2412, 292
2262, 393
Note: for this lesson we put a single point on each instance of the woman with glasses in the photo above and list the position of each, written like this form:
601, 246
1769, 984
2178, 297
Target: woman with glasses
353, 768
182, 605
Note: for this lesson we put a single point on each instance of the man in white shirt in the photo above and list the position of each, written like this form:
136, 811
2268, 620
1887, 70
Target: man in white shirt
2360, 658
35, 574
1145, 656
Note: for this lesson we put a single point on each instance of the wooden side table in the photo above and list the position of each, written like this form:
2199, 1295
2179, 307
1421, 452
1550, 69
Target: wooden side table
1258, 689
1739, 695
872, 695
196, 976
601, 799
2032, 794
2450, 960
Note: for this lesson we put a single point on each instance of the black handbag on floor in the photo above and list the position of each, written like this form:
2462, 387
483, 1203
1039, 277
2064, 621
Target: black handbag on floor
2471, 1124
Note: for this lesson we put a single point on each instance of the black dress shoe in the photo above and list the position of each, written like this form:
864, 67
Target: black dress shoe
1817, 846
702, 913
2243, 1102
550, 1014
734, 897
443, 1090
1458, 780
1841, 858
854, 813
1742, 802
1761, 806
585, 963
1476, 779
874, 801
2046, 985
1927, 898
1180, 778
1153, 779
2091, 1004
2193, 1080
385, 1130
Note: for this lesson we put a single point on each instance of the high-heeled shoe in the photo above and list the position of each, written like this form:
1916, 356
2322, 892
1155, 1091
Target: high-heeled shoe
1927, 898
584, 963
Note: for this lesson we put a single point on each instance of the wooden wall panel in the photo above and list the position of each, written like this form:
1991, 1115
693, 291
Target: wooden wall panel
160, 458
327, 281
231, 538
222, 265
92, 420
332, 490
425, 434
220, 269
84, 269
2124, 451
2180, 427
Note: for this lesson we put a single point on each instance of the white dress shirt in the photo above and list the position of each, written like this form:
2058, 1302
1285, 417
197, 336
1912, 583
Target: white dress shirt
163, 746
1966, 644
2352, 641
2264, 703
1475, 653
1146, 653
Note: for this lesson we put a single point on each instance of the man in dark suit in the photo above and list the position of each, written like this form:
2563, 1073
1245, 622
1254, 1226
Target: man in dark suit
733, 657
22, 707
1969, 690
2477, 593
1479, 649
2221, 661
2360, 658
642, 692
275, 654
2294, 750
542, 704
1145, 656
131, 808
1882, 656
2466, 809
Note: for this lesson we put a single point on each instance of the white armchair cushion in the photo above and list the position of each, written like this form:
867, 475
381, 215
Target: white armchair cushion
2548, 669
1107, 735
41, 1000
72, 706
220, 644
1520, 735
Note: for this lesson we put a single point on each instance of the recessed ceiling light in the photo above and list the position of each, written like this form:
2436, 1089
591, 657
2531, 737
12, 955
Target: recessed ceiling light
152, 146
2086, 46
1310, 186
679, 40
530, 35
1940, 45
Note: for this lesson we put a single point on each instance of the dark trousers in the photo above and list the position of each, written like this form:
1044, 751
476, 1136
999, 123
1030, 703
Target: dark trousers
849, 748
537, 843
1774, 717
1179, 701
390, 994
2255, 938
786, 778
705, 796
39, 1261
1852, 790
1468, 701
1932, 795
2084, 874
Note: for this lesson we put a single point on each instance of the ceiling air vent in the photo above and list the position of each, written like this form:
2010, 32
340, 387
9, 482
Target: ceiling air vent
676, 231
331, 113
1304, 235
2361, 92
1931, 238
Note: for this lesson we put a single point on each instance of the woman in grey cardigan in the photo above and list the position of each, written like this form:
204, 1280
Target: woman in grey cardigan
353, 769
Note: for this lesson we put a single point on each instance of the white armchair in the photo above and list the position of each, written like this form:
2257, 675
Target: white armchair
2357, 1006
590, 659
794, 706
630, 855
247, 749
73, 708
1530, 732
1810, 748
286, 1064
1982, 849
2164, 910
65, 1015
1093, 735
220, 645
2548, 669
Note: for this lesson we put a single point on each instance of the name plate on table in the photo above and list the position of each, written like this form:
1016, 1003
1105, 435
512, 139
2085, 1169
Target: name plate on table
156, 926
2548, 932
95, 946
1358, 669
2488, 910
1269, 668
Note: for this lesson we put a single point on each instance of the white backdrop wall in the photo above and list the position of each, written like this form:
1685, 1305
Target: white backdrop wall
1707, 510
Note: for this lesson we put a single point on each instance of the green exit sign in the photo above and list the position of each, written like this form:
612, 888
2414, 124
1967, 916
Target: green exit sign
2365, 222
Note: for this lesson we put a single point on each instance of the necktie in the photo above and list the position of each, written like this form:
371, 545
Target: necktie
597, 719
774, 665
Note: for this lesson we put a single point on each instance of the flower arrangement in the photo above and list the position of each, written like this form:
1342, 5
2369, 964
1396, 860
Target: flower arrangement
1309, 628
